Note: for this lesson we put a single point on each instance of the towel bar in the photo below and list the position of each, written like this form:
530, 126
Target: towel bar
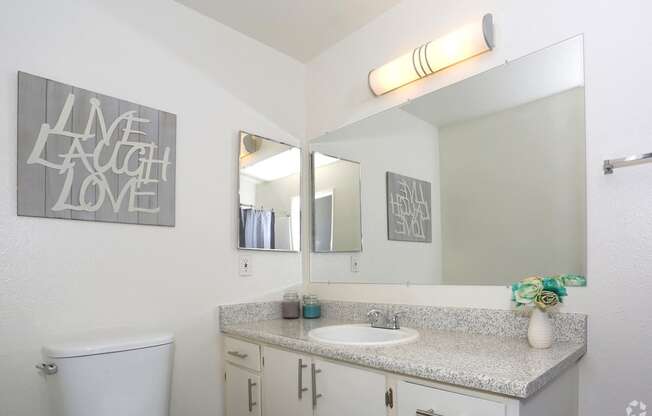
611, 164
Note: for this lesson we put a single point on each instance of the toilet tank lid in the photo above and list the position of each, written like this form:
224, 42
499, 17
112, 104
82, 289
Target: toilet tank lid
105, 341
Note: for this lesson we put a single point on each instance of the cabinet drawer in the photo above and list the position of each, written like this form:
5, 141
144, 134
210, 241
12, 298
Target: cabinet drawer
242, 353
417, 400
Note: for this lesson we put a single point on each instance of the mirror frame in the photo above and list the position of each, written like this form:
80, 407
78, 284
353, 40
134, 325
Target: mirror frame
241, 133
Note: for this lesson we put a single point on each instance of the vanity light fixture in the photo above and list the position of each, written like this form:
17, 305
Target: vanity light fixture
468, 41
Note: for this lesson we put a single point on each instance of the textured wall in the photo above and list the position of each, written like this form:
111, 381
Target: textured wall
617, 368
59, 276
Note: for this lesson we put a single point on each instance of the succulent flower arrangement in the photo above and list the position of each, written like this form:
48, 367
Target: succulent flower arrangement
544, 292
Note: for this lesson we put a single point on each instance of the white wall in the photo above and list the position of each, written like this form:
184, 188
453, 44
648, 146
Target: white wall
247, 190
278, 193
59, 276
398, 142
501, 171
617, 368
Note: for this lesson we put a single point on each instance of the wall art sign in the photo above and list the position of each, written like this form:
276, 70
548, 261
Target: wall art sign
409, 209
87, 156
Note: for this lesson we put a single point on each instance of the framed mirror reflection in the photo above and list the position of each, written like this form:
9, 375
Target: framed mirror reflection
336, 210
269, 184
478, 183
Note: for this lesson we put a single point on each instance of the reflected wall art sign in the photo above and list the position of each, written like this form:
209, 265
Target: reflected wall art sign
409, 209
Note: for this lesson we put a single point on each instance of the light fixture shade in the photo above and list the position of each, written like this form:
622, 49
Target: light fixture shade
467, 41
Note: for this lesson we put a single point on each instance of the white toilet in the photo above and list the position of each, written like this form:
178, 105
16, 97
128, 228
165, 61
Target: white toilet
110, 373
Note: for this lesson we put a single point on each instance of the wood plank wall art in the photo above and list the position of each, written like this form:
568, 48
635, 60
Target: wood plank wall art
87, 156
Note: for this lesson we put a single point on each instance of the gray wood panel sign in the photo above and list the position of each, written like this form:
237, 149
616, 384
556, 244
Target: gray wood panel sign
87, 156
409, 209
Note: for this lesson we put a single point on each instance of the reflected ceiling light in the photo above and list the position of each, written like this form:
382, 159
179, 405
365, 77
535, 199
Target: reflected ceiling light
275, 167
466, 42
323, 160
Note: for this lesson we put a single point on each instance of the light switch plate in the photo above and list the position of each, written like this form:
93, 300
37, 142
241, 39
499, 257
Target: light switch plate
355, 263
245, 266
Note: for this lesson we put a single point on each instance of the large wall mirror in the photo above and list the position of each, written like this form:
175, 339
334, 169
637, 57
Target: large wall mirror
479, 183
269, 208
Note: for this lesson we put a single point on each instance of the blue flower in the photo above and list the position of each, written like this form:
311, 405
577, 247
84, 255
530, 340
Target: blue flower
555, 284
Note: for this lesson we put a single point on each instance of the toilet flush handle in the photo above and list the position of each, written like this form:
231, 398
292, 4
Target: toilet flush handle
47, 369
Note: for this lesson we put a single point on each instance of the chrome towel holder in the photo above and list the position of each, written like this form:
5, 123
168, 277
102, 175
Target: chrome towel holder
611, 164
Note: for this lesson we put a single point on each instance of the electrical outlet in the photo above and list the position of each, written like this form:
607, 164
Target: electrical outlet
355, 263
245, 266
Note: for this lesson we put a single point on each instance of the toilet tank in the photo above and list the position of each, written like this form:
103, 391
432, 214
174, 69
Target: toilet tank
110, 373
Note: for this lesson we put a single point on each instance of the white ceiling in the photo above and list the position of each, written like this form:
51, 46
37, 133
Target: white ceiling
541, 74
301, 29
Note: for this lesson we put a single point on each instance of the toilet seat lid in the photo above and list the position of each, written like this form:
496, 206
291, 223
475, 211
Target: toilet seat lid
105, 341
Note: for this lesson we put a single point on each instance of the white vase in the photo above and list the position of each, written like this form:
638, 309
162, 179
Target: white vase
539, 331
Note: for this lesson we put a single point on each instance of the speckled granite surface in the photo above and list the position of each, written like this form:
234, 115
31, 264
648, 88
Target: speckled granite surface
505, 323
249, 312
463, 346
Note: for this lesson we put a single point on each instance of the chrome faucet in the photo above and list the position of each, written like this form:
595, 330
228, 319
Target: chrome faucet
375, 316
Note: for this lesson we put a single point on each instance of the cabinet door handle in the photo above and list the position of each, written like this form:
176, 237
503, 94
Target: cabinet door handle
300, 368
315, 396
428, 412
389, 398
250, 394
238, 354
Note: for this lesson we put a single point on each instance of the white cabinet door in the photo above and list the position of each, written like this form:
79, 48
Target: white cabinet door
286, 383
347, 391
242, 392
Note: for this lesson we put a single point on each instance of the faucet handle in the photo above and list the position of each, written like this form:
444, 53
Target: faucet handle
374, 314
394, 319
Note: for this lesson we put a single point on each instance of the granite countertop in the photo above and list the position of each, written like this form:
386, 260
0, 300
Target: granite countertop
498, 364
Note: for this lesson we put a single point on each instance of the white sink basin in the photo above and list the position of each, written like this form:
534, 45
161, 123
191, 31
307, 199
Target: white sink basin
362, 335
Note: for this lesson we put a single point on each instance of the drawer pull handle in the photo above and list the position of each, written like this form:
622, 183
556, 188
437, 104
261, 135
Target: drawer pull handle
238, 354
300, 368
428, 412
252, 403
315, 396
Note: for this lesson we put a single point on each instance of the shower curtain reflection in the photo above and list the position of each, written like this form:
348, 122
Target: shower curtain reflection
257, 228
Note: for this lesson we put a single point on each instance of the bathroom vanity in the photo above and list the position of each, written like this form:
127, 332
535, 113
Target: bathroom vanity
479, 183
465, 362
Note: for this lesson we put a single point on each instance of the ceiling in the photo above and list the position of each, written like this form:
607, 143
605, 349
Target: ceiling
301, 29
541, 74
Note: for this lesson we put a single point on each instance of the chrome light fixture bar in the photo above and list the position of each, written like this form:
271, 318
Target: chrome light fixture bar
468, 41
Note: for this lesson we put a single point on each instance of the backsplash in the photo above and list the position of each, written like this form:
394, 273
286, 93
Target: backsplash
239, 313
504, 323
